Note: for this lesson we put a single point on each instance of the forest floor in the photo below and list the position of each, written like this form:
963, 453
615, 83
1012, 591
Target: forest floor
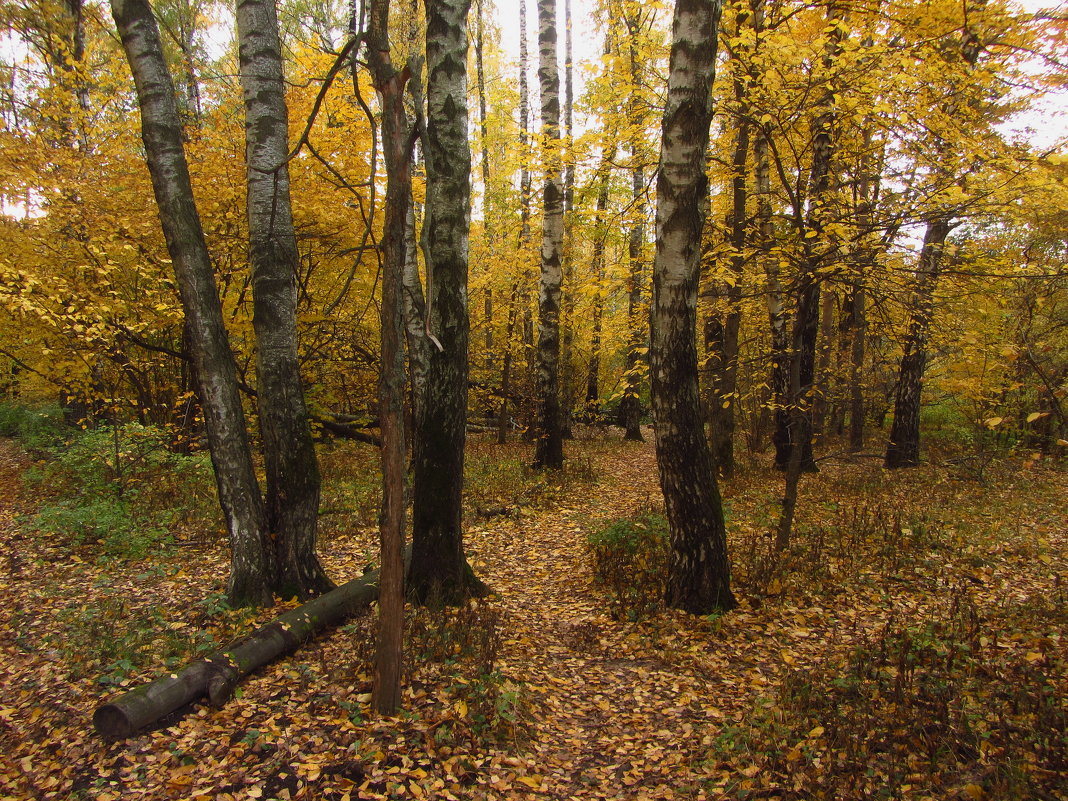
910, 644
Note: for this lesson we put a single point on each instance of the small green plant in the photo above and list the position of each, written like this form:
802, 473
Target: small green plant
630, 559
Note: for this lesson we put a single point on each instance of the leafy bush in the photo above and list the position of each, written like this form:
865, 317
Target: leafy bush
630, 560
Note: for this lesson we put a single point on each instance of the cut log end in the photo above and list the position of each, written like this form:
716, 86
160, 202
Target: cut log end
112, 722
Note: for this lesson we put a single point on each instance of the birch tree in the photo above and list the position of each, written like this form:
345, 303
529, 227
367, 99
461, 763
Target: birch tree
439, 572
698, 569
292, 499
550, 436
161, 132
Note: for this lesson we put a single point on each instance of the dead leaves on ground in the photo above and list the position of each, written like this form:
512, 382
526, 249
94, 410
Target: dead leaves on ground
539, 693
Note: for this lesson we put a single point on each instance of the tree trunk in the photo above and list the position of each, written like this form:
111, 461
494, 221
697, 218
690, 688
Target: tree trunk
414, 311
216, 676
593, 370
517, 298
825, 382
439, 572
698, 569
213, 361
903, 449
724, 358
856, 367
780, 338
568, 290
389, 83
289, 453
630, 407
549, 450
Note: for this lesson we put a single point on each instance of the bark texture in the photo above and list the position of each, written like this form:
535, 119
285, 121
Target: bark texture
289, 453
439, 572
698, 568
161, 131
549, 452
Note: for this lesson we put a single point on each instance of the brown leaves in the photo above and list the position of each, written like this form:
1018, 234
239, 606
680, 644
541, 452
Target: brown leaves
539, 693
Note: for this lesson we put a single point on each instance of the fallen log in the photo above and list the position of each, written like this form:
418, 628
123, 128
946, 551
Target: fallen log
217, 675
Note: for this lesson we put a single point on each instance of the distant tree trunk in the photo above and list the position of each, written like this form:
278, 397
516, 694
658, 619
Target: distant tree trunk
289, 453
856, 366
825, 382
903, 450
439, 572
567, 337
549, 451
724, 355
518, 295
593, 371
630, 407
777, 318
389, 83
811, 225
488, 211
855, 313
698, 569
161, 130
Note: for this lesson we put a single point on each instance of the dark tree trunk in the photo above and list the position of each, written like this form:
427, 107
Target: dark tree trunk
630, 407
389, 83
856, 367
439, 572
723, 357
903, 449
780, 337
698, 569
289, 453
213, 362
568, 289
593, 371
549, 450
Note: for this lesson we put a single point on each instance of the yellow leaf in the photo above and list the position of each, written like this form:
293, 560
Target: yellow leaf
1033, 656
533, 782
1036, 416
816, 732
975, 791
993, 422
461, 708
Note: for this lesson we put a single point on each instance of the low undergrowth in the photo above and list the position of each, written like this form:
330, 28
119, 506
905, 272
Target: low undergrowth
629, 558
958, 705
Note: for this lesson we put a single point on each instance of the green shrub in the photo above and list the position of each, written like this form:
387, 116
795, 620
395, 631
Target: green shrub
630, 560
38, 428
122, 488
